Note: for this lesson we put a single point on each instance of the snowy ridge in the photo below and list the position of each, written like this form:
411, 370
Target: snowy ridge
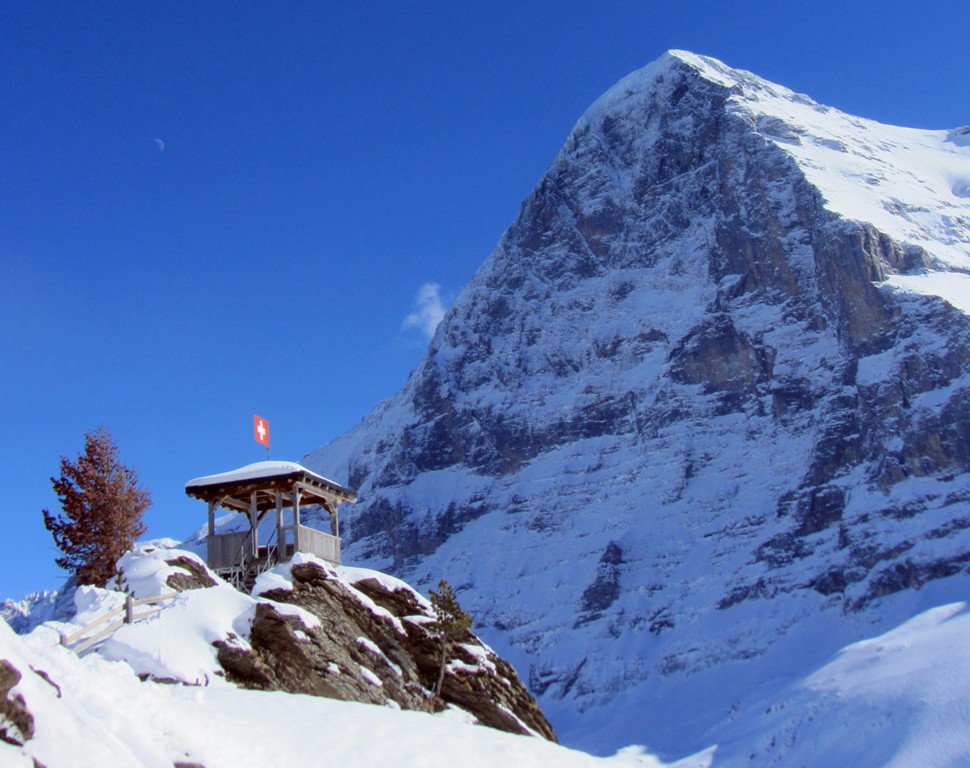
225, 727
896, 699
704, 393
912, 185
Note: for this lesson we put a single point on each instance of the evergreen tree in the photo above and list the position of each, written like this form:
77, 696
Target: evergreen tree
102, 507
450, 623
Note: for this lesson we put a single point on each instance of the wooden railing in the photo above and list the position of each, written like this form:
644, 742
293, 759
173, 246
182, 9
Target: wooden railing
128, 615
232, 550
321, 544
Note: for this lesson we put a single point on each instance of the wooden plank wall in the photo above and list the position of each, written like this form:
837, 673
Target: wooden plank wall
227, 549
321, 544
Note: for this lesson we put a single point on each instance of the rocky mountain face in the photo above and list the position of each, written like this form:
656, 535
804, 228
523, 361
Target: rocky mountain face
705, 405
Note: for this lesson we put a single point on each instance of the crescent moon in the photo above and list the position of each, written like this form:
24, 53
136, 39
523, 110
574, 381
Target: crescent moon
160, 144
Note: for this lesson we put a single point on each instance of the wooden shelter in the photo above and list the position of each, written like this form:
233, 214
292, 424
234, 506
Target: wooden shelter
283, 487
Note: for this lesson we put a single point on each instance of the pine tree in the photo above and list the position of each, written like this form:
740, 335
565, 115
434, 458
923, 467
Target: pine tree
102, 507
450, 623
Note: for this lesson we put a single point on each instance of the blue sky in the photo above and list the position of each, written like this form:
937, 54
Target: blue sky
210, 210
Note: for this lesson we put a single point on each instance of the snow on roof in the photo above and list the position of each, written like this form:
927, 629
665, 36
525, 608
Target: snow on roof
261, 470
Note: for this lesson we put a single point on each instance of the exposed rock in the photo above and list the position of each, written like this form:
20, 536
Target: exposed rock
16, 722
605, 589
47, 679
195, 576
372, 646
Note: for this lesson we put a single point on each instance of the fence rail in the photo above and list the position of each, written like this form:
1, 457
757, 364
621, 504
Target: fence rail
321, 544
128, 616
233, 551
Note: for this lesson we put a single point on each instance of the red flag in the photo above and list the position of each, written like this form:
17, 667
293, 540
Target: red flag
261, 430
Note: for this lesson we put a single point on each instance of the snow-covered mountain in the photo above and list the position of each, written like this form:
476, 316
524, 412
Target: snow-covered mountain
701, 418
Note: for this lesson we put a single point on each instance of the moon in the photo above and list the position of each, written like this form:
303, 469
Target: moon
160, 144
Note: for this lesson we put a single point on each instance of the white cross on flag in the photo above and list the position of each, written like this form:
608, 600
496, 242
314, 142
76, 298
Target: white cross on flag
261, 430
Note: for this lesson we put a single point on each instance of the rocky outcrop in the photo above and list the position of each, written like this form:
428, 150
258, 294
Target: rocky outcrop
372, 645
189, 574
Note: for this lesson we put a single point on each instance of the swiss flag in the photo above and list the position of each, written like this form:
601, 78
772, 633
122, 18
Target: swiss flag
261, 430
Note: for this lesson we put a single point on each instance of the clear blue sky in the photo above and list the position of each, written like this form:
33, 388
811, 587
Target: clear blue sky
316, 164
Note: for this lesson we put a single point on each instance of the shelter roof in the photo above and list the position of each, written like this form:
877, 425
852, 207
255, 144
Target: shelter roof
265, 478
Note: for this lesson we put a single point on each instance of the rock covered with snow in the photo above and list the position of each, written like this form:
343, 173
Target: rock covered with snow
59, 710
712, 384
309, 628
372, 644
894, 699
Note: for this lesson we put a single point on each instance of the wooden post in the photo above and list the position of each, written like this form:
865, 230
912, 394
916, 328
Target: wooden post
129, 609
280, 533
254, 524
213, 503
296, 519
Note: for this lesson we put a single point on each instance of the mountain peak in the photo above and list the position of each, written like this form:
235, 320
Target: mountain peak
714, 70
913, 185
711, 389
649, 81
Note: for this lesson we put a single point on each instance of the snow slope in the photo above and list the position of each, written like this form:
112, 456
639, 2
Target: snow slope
100, 713
105, 708
898, 699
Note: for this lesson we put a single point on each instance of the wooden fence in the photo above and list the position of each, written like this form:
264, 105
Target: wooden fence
228, 551
127, 614
321, 544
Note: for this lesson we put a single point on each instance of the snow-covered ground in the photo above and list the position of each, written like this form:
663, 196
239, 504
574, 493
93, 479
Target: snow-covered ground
899, 699
97, 708
104, 715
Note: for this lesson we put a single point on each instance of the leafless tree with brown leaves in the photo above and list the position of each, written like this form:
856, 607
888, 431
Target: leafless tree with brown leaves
102, 507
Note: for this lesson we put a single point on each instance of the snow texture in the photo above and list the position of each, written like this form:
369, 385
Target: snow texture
257, 471
100, 713
107, 706
898, 699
